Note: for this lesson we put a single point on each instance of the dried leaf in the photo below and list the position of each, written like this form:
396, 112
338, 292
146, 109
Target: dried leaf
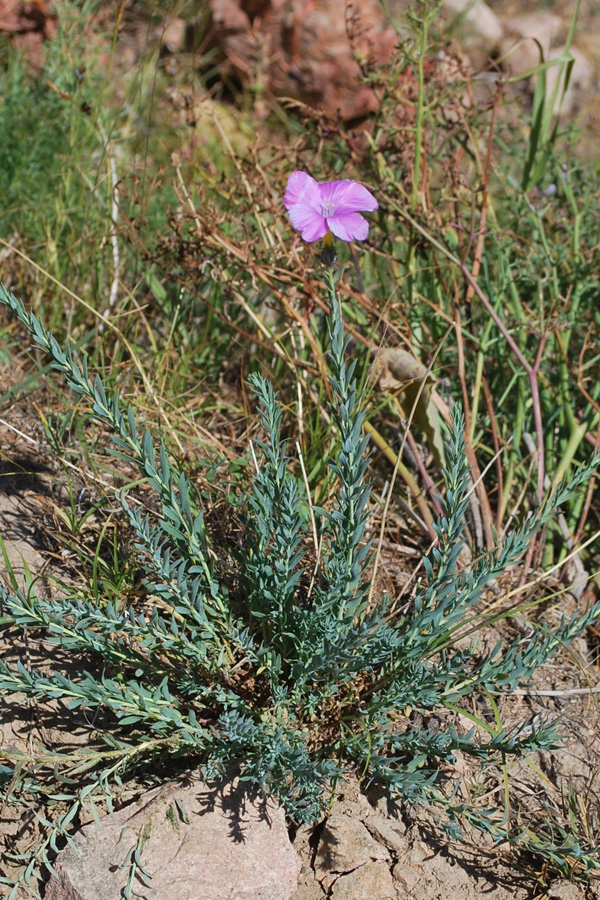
401, 374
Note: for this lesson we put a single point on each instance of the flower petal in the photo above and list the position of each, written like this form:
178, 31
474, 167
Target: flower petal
349, 226
302, 188
348, 197
308, 221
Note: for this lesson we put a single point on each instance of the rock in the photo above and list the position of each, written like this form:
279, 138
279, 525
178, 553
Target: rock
17, 529
308, 890
565, 890
29, 25
580, 80
344, 846
198, 842
520, 47
302, 49
478, 24
229, 17
389, 832
543, 25
407, 877
173, 37
522, 54
419, 852
372, 881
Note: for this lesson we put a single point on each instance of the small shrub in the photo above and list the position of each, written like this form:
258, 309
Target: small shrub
288, 671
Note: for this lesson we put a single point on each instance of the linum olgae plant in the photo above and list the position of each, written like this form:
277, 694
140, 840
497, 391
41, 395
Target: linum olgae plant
287, 673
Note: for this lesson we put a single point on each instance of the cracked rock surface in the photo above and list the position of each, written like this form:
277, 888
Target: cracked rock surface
194, 842
345, 845
361, 852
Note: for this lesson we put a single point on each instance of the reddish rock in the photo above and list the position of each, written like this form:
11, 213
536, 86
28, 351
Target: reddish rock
19, 18
195, 843
29, 25
305, 48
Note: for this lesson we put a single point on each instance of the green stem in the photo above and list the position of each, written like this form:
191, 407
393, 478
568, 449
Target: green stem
416, 180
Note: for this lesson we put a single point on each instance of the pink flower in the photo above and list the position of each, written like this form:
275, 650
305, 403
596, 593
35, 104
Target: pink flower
329, 206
